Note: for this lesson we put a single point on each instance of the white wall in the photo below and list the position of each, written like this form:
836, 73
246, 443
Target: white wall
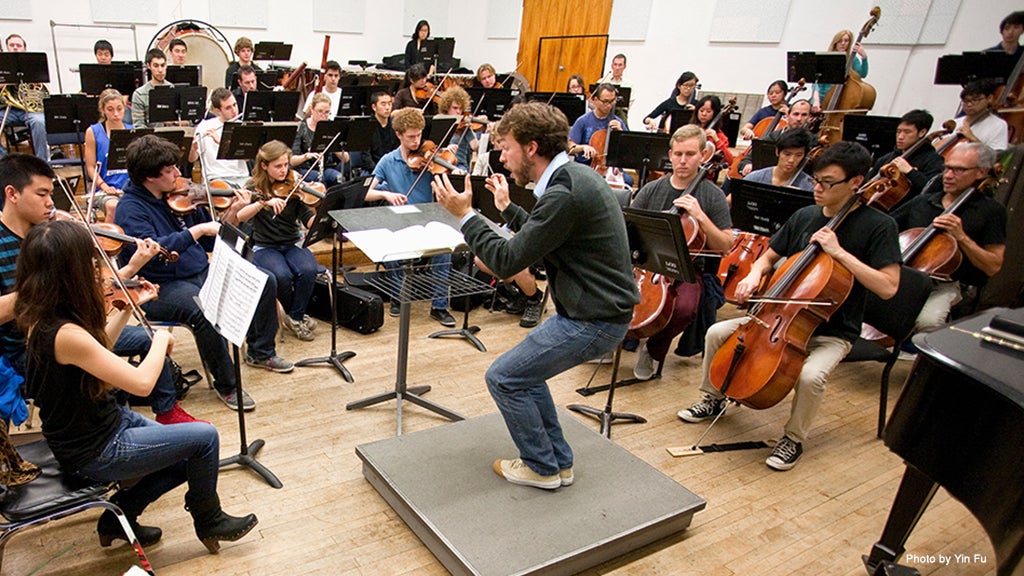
677, 40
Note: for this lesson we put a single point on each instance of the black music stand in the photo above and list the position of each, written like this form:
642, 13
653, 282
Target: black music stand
678, 118
876, 133
352, 134
67, 114
959, 69
269, 106
176, 103
816, 67
117, 156
324, 226
271, 50
439, 129
764, 208
762, 153
125, 77
241, 141
188, 75
355, 100
572, 105
490, 101
235, 240
24, 67
622, 94
641, 151
658, 245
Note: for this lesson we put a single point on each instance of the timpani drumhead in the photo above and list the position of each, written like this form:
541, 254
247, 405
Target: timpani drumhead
205, 51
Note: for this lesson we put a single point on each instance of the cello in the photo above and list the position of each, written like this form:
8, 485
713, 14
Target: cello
1008, 104
853, 94
766, 126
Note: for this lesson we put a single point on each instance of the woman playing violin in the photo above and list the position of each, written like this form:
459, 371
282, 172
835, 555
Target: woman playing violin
109, 183
776, 102
303, 158
417, 92
277, 225
682, 98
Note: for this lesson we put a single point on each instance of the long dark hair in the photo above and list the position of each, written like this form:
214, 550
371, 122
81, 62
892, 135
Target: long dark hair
416, 31
683, 79
716, 107
56, 281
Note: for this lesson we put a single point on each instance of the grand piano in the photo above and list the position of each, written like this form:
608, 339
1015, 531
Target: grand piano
959, 424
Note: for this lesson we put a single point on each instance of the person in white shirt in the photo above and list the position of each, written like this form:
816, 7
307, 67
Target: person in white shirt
206, 141
332, 74
979, 123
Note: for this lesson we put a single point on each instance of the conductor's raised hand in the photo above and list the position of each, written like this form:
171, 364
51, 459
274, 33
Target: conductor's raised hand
498, 185
458, 203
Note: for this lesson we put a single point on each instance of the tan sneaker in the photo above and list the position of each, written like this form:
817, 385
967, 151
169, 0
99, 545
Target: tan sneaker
566, 477
517, 472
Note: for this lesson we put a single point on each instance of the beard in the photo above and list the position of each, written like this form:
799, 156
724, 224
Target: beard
522, 175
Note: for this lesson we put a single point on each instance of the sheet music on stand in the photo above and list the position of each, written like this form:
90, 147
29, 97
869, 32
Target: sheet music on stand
233, 286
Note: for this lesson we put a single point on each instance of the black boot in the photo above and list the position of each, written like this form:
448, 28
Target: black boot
213, 525
109, 529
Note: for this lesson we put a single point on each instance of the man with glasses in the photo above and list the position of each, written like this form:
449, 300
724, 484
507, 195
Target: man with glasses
599, 118
979, 227
979, 123
865, 243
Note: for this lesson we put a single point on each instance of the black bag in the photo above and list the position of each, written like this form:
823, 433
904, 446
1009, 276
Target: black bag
358, 309
183, 381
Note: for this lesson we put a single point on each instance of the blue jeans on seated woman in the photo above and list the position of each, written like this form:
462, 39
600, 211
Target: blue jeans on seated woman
163, 456
518, 383
295, 270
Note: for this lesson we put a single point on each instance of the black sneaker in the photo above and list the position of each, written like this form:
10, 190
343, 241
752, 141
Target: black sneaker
785, 454
708, 407
394, 310
442, 316
532, 312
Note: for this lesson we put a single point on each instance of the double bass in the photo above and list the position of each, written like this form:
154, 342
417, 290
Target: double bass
853, 94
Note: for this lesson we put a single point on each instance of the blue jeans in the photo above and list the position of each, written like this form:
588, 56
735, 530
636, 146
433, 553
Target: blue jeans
176, 303
440, 267
517, 381
134, 341
163, 456
331, 176
295, 270
36, 123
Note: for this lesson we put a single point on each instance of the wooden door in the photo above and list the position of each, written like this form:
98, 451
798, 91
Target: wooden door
574, 34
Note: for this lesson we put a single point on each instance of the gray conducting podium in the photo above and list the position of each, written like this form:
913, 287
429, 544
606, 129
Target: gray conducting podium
412, 284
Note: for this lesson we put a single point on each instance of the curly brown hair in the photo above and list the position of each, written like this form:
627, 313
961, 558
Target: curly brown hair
536, 122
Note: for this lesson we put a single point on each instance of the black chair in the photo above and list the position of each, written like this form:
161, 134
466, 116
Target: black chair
894, 318
54, 495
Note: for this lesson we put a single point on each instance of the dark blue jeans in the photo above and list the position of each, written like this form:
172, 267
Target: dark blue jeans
134, 341
176, 303
517, 381
163, 456
295, 270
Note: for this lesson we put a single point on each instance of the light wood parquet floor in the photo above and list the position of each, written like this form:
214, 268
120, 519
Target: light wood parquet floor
815, 519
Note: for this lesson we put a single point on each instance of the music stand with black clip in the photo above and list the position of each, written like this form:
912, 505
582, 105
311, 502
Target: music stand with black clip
67, 114
658, 245
241, 141
228, 299
24, 68
176, 103
269, 106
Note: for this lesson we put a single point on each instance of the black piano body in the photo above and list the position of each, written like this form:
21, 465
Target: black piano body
959, 423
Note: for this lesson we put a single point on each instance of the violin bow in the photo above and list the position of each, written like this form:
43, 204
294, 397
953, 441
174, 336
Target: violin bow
509, 75
434, 93
92, 192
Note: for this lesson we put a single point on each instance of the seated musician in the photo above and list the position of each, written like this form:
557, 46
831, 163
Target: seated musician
109, 183
307, 162
416, 48
791, 148
681, 99
921, 166
798, 116
156, 63
708, 108
144, 213
277, 229
455, 102
416, 81
103, 51
332, 75
776, 101
22, 105
384, 139
178, 51
396, 183
865, 244
486, 77
616, 79
979, 122
243, 50
1010, 28
206, 141
707, 206
979, 228
598, 118
576, 85
247, 82
27, 201
72, 374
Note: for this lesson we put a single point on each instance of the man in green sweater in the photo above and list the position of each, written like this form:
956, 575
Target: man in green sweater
577, 228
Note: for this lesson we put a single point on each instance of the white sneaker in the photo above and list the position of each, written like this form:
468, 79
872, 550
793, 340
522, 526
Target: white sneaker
644, 369
606, 359
517, 472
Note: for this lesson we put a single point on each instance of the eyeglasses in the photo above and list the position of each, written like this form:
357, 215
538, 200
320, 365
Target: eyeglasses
959, 170
606, 102
826, 186
974, 99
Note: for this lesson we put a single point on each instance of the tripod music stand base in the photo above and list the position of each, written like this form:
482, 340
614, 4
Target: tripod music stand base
467, 333
247, 459
606, 417
591, 390
412, 394
335, 360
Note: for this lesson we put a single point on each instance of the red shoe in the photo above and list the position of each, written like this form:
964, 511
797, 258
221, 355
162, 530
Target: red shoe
177, 415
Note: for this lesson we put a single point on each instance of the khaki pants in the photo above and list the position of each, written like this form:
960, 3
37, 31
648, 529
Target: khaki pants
823, 354
936, 309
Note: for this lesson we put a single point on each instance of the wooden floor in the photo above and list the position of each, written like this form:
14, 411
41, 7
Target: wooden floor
816, 519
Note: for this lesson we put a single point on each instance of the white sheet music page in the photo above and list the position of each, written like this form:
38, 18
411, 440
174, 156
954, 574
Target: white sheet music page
231, 292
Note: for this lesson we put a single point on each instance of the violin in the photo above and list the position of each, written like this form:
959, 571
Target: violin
310, 193
111, 237
853, 94
120, 295
431, 159
428, 93
475, 124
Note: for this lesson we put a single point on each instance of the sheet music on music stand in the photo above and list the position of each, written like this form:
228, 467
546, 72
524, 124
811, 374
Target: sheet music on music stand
233, 286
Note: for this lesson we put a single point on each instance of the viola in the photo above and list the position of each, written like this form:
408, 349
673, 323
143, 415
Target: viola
853, 94
766, 126
431, 159
111, 237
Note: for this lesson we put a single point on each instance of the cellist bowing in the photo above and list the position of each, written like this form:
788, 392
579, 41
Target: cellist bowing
707, 206
865, 244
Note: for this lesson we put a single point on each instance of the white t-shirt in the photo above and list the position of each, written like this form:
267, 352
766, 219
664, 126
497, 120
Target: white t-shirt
234, 171
991, 131
335, 102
